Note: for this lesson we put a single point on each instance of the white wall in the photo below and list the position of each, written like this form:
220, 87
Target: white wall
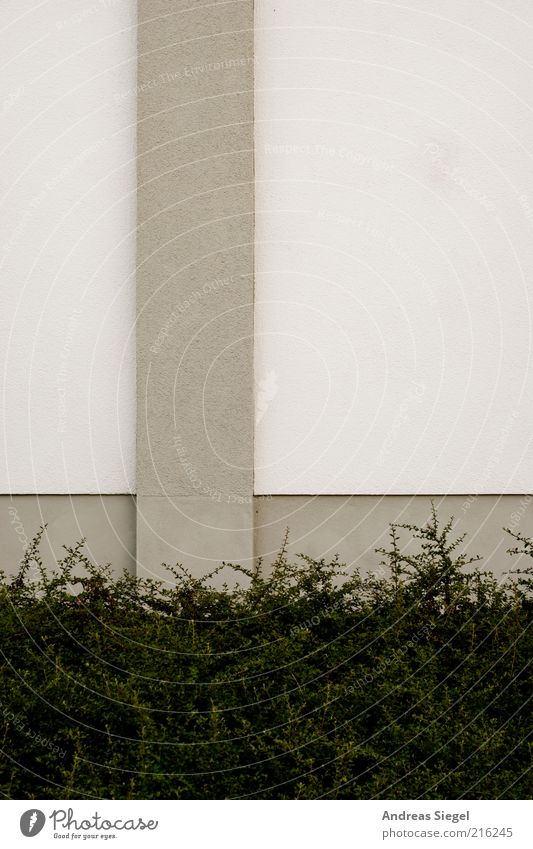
395, 257
67, 261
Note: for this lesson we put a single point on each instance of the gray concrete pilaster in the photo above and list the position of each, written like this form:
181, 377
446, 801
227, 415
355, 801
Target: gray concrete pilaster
195, 284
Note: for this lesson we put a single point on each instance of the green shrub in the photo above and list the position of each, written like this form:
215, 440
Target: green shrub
307, 682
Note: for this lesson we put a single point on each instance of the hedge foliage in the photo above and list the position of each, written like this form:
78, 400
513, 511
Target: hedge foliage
307, 682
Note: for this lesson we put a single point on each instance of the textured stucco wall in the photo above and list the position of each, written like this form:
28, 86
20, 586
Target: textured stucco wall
67, 246
195, 281
394, 258
393, 265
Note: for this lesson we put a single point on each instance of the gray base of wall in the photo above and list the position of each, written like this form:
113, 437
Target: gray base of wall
202, 532
354, 526
106, 521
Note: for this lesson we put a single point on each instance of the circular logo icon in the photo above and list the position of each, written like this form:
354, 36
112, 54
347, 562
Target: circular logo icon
32, 822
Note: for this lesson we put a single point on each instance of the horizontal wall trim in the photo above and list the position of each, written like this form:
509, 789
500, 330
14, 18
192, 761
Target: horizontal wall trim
429, 495
354, 526
107, 522
202, 532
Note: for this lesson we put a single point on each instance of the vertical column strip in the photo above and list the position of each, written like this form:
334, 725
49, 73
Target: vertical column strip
195, 284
